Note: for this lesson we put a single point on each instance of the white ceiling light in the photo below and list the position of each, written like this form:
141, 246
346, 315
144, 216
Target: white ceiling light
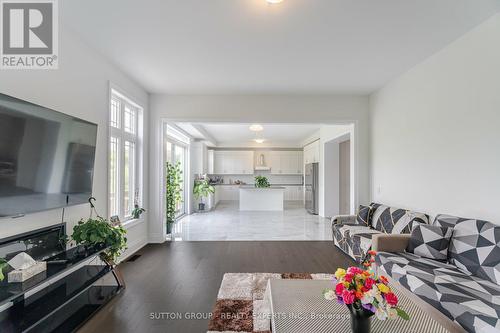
259, 140
274, 1
256, 128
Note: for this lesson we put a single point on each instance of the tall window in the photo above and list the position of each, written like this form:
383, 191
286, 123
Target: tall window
175, 151
124, 159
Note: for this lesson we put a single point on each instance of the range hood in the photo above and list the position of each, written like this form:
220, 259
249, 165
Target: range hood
261, 165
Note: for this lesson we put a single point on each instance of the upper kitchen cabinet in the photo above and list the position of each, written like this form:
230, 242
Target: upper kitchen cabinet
311, 153
233, 162
286, 162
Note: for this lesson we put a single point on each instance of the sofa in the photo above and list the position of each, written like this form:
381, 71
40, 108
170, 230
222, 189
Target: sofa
353, 233
465, 286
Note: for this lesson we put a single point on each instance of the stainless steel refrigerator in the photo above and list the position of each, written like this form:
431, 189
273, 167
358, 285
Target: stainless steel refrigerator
311, 183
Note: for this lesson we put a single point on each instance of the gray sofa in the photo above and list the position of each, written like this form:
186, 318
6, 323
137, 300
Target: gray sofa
465, 286
353, 235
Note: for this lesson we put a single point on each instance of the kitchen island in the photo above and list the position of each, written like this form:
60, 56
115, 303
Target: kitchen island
261, 198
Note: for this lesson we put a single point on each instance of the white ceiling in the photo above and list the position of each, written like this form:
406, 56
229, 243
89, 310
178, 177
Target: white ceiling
239, 135
249, 46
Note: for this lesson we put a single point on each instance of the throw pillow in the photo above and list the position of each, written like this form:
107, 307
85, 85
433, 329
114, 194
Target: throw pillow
364, 214
430, 241
475, 248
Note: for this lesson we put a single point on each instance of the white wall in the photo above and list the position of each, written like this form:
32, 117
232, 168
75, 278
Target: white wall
80, 87
327, 109
329, 168
435, 131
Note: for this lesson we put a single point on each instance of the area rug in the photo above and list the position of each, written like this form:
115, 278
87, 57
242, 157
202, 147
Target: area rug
240, 305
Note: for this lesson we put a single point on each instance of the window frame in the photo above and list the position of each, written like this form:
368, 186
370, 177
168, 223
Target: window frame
123, 136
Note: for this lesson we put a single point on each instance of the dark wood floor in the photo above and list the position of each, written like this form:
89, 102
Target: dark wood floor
184, 277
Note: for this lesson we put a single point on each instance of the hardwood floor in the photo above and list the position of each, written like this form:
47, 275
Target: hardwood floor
184, 277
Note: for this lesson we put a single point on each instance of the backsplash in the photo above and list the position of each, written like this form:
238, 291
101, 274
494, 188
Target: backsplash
273, 179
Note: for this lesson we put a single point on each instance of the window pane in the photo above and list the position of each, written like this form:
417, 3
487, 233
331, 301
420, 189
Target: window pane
114, 146
129, 119
115, 113
179, 157
168, 153
129, 178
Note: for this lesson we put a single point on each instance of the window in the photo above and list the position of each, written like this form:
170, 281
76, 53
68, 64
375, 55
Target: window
124, 156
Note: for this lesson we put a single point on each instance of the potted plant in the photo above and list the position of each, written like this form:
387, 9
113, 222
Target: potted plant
261, 181
136, 213
99, 232
202, 189
173, 192
365, 294
3, 264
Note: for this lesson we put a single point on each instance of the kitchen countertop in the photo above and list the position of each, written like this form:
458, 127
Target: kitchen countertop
252, 187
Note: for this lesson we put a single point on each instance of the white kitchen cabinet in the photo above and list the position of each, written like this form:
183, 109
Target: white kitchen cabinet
286, 162
233, 162
294, 193
228, 192
311, 152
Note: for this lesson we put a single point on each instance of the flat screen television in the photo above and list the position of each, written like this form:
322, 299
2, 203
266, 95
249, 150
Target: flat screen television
46, 158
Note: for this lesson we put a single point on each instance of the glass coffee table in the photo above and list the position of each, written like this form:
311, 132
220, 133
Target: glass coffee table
298, 306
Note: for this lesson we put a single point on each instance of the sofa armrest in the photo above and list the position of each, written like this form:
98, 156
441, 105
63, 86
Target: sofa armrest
390, 242
344, 219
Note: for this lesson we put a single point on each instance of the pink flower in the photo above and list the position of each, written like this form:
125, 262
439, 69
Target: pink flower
348, 296
348, 277
339, 288
369, 282
354, 270
391, 299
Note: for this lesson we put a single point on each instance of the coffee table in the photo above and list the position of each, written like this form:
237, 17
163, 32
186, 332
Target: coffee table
298, 306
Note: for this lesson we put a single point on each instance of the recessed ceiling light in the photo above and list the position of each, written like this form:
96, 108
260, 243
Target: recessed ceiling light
274, 1
256, 128
259, 140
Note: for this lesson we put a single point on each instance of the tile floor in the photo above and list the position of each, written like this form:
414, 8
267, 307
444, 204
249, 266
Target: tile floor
226, 222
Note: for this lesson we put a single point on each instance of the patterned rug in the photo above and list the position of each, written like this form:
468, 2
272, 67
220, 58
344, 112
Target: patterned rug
240, 305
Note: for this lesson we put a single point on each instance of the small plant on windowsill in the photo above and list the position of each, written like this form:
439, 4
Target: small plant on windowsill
173, 192
261, 182
96, 232
202, 189
137, 212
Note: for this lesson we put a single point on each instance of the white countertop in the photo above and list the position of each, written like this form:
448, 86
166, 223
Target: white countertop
252, 187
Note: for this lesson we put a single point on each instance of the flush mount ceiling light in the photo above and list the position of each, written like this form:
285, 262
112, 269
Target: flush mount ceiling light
274, 1
256, 128
259, 140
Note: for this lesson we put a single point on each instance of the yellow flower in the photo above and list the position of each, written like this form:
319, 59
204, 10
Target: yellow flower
340, 273
383, 288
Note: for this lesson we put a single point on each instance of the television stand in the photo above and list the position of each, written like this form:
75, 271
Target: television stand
63, 297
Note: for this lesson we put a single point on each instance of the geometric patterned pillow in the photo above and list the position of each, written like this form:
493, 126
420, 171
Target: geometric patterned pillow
430, 241
449, 221
392, 220
474, 249
364, 214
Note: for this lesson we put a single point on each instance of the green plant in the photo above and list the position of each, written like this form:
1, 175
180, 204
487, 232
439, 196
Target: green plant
174, 191
202, 189
98, 232
3, 264
136, 213
261, 181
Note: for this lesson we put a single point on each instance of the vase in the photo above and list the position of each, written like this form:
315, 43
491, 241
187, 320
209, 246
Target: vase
360, 319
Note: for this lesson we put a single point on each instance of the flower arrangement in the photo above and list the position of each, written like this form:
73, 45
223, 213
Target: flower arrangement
363, 290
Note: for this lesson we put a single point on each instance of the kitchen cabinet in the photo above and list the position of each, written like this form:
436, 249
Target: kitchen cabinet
286, 162
233, 162
311, 152
228, 192
294, 193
